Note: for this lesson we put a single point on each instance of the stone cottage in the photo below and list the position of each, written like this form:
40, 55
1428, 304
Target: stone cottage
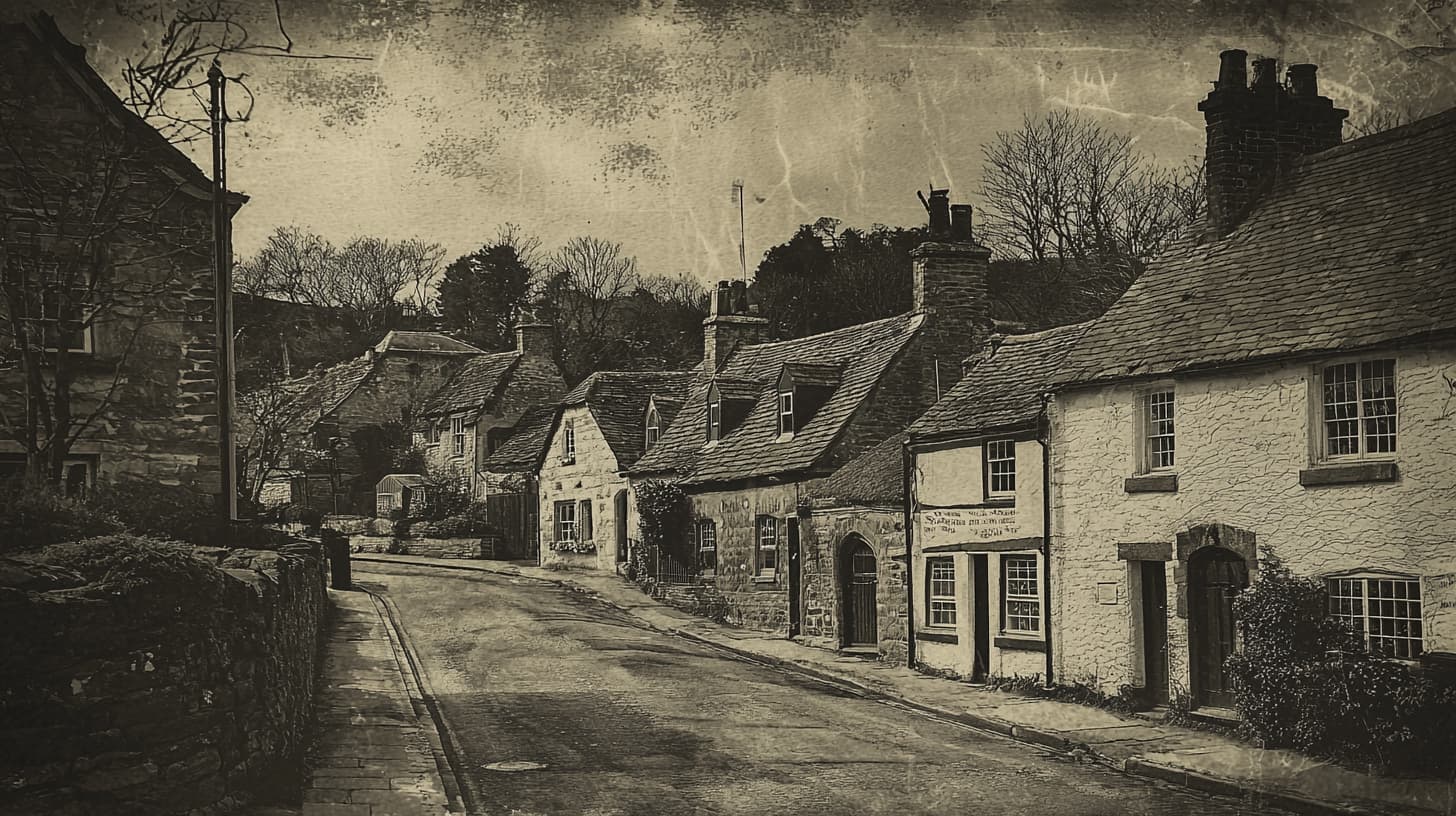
1280, 384
511, 480
977, 507
356, 415
477, 409
600, 431
106, 245
767, 420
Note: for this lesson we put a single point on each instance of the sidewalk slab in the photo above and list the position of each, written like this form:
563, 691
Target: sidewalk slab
1196, 759
372, 754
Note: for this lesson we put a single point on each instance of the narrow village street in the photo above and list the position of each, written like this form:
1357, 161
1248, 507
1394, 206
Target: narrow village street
623, 720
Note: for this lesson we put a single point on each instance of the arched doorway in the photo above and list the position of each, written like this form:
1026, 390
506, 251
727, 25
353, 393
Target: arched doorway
860, 580
1215, 577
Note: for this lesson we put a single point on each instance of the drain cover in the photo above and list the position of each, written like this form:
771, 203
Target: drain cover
514, 765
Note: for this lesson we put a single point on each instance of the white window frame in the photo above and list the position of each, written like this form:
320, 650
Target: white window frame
786, 413
43, 247
766, 540
654, 427
941, 603
457, 436
1321, 405
1355, 609
565, 517
715, 420
1034, 598
1158, 423
707, 542
994, 453
568, 442
432, 431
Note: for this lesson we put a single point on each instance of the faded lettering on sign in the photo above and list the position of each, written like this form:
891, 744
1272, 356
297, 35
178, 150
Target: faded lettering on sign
963, 524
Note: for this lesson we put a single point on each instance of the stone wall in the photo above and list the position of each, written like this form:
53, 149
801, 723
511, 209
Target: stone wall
158, 699
593, 477
1243, 439
825, 536
754, 601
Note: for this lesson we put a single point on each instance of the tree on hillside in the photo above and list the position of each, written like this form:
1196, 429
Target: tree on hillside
482, 294
1081, 204
583, 298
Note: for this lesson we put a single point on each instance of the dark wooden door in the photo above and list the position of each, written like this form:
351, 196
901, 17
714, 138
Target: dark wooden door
1215, 577
794, 565
981, 585
862, 577
1155, 630
620, 507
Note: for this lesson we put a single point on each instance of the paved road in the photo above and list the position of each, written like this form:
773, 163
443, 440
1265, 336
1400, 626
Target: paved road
628, 721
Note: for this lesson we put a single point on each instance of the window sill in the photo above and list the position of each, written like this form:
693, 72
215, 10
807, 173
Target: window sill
938, 636
1151, 483
765, 580
1000, 501
1349, 473
1019, 642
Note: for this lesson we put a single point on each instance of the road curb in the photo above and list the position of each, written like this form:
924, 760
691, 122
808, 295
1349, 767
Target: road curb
1171, 774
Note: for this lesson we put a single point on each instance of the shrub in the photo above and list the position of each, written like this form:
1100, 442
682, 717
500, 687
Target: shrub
303, 514
33, 516
1303, 681
473, 521
126, 561
162, 511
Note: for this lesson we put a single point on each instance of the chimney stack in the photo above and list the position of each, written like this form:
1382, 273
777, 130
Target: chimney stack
949, 274
731, 324
1256, 131
533, 338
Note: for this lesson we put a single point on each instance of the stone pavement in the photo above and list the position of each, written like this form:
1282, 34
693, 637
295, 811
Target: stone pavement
376, 751
1198, 759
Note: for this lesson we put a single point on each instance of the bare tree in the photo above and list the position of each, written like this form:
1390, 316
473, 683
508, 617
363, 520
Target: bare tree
1077, 199
268, 414
1376, 120
587, 283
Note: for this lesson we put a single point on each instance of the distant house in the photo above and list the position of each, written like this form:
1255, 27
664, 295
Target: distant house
511, 478
106, 245
599, 433
977, 508
765, 421
473, 412
1279, 385
354, 417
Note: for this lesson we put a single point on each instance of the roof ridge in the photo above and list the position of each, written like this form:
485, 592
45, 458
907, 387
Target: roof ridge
1420, 126
851, 327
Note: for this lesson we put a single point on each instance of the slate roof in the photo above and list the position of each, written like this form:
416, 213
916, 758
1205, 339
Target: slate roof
1355, 246
524, 448
328, 390
863, 352
618, 402
1004, 389
875, 477
477, 383
424, 341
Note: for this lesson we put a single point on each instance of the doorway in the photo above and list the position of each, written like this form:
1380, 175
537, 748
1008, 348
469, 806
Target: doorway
861, 584
620, 510
794, 566
1155, 630
1215, 578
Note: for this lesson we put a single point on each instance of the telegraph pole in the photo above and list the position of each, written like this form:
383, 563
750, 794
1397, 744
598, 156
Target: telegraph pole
223, 294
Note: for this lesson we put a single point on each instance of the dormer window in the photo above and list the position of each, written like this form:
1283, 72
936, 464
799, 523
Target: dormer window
715, 420
654, 427
786, 412
730, 401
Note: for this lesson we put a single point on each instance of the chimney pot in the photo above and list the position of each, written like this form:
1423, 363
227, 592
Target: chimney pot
739, 302
939, 208
1233, 68
960, 222
1302, 81
722, 300
1265, 74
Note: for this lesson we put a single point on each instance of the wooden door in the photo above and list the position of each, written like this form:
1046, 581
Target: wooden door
794, 578
862, 577
1215, 578
1155, 630
981, 587
620, 510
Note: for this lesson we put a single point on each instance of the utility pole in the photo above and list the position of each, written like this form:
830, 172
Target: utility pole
742, 238
223, 295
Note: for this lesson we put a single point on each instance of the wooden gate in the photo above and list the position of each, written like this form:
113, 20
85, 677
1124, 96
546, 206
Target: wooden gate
511, 515
861, 582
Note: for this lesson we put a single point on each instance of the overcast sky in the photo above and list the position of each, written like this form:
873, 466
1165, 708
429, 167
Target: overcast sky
629, 119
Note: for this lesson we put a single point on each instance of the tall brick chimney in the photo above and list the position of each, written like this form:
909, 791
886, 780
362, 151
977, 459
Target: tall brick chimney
731, 324
949, 273
533, 338
1256, 130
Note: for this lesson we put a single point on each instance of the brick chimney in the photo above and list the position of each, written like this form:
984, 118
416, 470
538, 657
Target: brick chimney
731, 324
533, 338
1256, 130
949, 270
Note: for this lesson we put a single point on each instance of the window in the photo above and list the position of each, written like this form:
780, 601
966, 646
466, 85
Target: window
584, 520
768, 545
59, 302
383, 503
707, 545
432, 432
1158, 446
568, 443
457, 436
1358, 416
1000, 469
941, 592
78, 474
1385, 611
565, 522
786, 412
1020, 598
715, 420
654, 427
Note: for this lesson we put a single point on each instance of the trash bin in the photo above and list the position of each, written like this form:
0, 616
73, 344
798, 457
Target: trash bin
336, 545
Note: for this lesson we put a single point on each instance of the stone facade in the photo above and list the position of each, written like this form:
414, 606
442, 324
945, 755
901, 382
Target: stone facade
1249, 479
827, 536
954, 519
755, 599
593, 477
157, 699
159, 344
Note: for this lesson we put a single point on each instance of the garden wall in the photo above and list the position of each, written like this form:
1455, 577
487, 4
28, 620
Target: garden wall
160, 697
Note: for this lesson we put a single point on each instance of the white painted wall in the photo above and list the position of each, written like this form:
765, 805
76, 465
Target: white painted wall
593, 476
